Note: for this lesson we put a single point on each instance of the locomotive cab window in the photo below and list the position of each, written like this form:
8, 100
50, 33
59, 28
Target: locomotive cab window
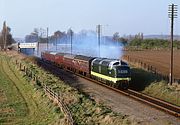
117, 63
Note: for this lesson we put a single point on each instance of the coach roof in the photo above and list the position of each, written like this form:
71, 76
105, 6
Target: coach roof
81, 57
70, 56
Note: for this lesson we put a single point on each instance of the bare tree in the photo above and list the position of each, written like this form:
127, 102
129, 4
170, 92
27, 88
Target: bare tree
6, 37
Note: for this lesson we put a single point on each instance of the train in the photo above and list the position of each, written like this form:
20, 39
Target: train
112, 72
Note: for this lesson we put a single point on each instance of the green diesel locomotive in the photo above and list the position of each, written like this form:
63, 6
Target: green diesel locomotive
115, 73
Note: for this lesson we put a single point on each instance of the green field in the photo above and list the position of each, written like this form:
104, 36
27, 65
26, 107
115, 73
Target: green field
20, 103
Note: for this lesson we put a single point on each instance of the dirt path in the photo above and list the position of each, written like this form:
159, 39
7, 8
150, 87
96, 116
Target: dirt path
10, 74
8, 111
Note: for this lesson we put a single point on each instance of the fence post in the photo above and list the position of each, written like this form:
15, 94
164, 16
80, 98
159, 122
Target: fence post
35, 78
31, 74
24, 68
144, 66
151, 69
26, 71
20, 66
139, 63
148, 68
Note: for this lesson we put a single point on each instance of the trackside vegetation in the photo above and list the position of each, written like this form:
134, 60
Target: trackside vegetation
84, 109
162, 91
150, 84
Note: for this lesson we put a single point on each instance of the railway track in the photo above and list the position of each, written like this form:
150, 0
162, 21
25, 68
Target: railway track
154, 102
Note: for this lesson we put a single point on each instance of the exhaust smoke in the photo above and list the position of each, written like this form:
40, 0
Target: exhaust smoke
84, 43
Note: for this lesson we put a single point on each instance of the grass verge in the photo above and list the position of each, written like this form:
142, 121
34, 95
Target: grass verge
21, 103
152, 85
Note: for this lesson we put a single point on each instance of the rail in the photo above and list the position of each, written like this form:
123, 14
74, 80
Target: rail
154, 102
157, 103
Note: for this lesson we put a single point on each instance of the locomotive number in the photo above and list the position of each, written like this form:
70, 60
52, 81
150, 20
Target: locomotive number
122, 71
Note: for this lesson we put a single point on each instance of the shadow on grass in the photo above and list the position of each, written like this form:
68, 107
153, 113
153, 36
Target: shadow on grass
141, 79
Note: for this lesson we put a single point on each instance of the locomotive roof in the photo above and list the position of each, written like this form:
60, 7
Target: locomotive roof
103, 61
85, 58
47, 51
60, 53
50, 52
108, 62
53, 53
70, 56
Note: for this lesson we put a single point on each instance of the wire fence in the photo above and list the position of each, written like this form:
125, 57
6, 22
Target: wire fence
56, 97
148, 67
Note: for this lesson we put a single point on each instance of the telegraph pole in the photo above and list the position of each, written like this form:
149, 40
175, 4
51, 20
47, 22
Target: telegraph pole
39, 41
71, 35
56, 43
5, 39
47, 38
172, 14
4, 35
99, 28
38, 47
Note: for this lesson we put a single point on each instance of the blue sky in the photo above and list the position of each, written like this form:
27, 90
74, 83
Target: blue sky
123, 16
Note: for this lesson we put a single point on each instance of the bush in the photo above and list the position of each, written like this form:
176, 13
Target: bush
152, 44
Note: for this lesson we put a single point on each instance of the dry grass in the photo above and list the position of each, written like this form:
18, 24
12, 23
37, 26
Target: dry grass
21, 103
2, 96
163, 91
84, 109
